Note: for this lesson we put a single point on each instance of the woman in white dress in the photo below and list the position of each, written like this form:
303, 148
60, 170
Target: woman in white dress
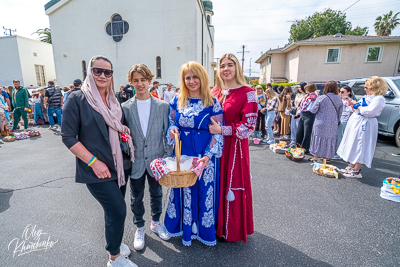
361, 134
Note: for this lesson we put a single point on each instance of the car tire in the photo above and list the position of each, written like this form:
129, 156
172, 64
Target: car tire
397, 137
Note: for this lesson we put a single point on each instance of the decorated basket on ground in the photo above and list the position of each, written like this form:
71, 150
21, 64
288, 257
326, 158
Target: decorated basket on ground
279, 148
33, 133
296, 153
9, 138
327, 170
182, 171
390, 189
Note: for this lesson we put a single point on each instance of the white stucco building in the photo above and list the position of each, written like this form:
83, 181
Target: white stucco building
27, 60
161, 34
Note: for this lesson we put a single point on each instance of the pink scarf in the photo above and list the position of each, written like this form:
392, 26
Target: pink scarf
112, 116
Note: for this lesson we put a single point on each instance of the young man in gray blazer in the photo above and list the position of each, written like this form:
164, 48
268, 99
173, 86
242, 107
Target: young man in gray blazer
147, 118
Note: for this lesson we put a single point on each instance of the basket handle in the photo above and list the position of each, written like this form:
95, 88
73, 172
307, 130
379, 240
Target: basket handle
177, 153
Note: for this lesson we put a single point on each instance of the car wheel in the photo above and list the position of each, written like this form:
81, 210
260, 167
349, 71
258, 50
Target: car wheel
397, 137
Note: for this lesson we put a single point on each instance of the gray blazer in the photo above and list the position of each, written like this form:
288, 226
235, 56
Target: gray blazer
153, 144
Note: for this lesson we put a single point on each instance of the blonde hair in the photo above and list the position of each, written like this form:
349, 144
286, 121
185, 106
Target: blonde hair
377, 85
142, 69
262, 89
219, 82
205, 92
271, 93
42, 91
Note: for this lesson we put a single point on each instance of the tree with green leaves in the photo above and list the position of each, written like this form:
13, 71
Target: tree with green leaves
44, 35
386, 23
328, 22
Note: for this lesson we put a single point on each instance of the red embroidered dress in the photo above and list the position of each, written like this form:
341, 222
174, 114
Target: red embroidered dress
235, 214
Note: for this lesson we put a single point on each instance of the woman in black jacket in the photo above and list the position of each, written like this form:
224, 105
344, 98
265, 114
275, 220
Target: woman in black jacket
91, 129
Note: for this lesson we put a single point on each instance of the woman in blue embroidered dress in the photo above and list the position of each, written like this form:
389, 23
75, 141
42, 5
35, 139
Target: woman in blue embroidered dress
192, 211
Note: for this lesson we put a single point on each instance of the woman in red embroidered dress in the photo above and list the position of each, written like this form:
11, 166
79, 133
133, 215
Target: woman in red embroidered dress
235, 213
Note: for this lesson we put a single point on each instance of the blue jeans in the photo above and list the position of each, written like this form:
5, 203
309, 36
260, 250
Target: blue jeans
268, 121
293, 128
51, 111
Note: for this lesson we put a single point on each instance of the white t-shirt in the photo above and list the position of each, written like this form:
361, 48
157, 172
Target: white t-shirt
143, 107
168, 96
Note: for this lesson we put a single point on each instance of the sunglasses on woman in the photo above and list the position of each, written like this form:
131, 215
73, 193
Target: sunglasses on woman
98, 72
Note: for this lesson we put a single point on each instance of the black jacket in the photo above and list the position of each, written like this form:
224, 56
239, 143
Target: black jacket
81, 123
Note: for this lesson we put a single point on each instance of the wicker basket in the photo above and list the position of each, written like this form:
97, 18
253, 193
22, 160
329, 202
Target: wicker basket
8, 139
289, 153
326, 170
178, 178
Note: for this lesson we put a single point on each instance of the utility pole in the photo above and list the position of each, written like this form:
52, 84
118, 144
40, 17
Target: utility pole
9, 30
243, 47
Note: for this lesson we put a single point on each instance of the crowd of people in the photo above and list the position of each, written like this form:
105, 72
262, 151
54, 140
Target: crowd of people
116, 135
328, 126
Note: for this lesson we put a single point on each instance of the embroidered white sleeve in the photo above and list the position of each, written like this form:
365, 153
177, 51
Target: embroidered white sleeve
242, 132
216, 149
251, 97
170, 141
226, 130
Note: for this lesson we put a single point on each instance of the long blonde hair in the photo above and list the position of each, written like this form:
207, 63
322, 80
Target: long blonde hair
219, 82
271, 94
205, 92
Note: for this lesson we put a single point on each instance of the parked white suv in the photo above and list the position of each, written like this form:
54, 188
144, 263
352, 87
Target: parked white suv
389, 120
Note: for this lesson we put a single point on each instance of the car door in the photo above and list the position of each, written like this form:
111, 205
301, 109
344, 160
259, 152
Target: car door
390, 113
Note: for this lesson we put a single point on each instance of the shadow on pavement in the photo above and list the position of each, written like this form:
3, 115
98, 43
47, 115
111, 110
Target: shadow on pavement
260, 250
5, 195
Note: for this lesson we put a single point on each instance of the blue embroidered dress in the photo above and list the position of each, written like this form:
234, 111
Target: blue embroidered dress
192, 211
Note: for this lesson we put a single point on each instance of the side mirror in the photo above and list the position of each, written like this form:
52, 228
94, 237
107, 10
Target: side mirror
389, 94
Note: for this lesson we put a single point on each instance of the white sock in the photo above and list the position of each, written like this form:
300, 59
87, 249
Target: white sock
156, 222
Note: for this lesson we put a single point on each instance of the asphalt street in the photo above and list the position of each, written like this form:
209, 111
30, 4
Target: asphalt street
300, 218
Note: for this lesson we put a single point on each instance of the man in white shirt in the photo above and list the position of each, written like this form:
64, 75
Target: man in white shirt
169, 94
147, 118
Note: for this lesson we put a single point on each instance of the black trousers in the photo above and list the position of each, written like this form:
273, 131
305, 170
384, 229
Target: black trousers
304, 130
137, 193
260, 117
111, 198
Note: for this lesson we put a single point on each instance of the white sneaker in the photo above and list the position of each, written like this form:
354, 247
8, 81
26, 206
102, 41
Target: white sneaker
160, 230
266, 140
348, 168
124, 250
352, 174
120, 261
271, 142
138, 243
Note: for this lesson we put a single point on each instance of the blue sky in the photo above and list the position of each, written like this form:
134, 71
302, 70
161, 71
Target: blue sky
258, 24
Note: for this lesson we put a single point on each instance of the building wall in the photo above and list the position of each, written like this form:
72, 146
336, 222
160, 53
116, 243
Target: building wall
18, 61
278, 65
44, 56
352, 64
10, 66
263, 74
292, 66
156, 28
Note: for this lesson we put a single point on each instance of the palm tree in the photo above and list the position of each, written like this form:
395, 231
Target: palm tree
386, 23
44, 35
